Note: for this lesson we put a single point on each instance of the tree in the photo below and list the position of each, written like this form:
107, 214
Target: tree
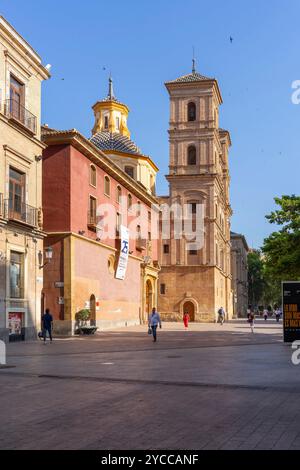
282, 249
255, 277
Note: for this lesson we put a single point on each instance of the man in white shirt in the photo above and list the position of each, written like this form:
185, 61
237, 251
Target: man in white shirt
153, 322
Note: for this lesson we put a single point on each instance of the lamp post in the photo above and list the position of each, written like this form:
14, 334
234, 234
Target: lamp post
48, 256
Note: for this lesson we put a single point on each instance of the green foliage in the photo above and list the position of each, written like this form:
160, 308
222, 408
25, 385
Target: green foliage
255, 277
282, 249
279, 259
83, 315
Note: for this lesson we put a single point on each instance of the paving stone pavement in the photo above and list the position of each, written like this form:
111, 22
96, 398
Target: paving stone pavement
212, 387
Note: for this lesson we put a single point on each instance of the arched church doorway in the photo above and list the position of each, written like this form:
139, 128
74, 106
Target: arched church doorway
93, 310
189, 307
149, 297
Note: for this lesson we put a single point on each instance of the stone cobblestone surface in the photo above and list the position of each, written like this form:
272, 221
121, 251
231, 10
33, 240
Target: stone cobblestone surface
209, 388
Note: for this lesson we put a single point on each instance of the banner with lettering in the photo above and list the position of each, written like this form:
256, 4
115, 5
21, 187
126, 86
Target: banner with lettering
124, 251
291, 311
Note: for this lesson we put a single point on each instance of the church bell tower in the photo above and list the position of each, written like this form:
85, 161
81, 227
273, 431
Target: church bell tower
193, 279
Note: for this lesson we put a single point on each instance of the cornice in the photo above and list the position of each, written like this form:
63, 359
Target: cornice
77, 140
134, 156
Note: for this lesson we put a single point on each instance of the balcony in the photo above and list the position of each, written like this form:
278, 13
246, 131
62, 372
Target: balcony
15, 111
20, 212
92, 221
140, 244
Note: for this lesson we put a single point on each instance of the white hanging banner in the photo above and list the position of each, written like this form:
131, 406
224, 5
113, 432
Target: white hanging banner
123, 258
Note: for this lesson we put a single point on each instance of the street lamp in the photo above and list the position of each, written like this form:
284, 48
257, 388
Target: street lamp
48, 256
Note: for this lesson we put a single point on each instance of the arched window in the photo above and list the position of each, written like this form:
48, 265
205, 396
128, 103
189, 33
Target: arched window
93, 175
107, 186
119, 194
192, 158
191, 112
222, 259
129, 201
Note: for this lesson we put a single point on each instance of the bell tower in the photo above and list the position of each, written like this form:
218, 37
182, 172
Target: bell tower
110, 114
198, 174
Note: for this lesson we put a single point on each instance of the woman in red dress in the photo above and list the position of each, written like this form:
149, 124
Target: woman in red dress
186, 319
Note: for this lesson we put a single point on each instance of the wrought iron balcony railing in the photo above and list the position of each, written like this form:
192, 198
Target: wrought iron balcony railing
20, 212
140, 244
92, 220
14, 110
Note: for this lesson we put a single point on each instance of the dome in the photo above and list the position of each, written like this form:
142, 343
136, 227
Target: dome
114, 141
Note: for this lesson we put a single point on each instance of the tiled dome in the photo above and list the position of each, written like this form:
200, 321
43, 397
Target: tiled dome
114, 141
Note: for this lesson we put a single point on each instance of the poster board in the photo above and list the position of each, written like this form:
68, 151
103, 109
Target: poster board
291, 310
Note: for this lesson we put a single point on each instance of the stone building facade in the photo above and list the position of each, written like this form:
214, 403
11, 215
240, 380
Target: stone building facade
21, 233
239, 266
196, 277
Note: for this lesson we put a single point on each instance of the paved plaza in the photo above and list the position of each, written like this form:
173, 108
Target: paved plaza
211, 387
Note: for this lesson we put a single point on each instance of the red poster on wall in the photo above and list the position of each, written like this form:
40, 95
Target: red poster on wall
15, 323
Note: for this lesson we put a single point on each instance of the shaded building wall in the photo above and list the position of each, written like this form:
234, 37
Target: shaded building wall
56, 188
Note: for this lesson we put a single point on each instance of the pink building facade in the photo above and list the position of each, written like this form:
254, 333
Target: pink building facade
86, 200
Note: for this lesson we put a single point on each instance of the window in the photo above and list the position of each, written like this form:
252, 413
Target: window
119, 194
149, 216
93, 174
16, 275
193, 252
166, 249
152, 184
193, 207
129, 170
192, 159
129, 201
138, 237
17, 98
118, 223
163, 289
92, 210
107, 186
105, 122
138, 209
149, 236
191, 112
117, 123
16, 193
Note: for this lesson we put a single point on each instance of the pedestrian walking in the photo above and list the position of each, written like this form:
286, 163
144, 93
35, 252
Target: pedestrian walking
154, 321
251, 321
277, 315
221, 313
266, 314
47, 323
186, 319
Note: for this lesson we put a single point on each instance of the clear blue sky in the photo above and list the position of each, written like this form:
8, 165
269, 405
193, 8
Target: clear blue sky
148, 43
